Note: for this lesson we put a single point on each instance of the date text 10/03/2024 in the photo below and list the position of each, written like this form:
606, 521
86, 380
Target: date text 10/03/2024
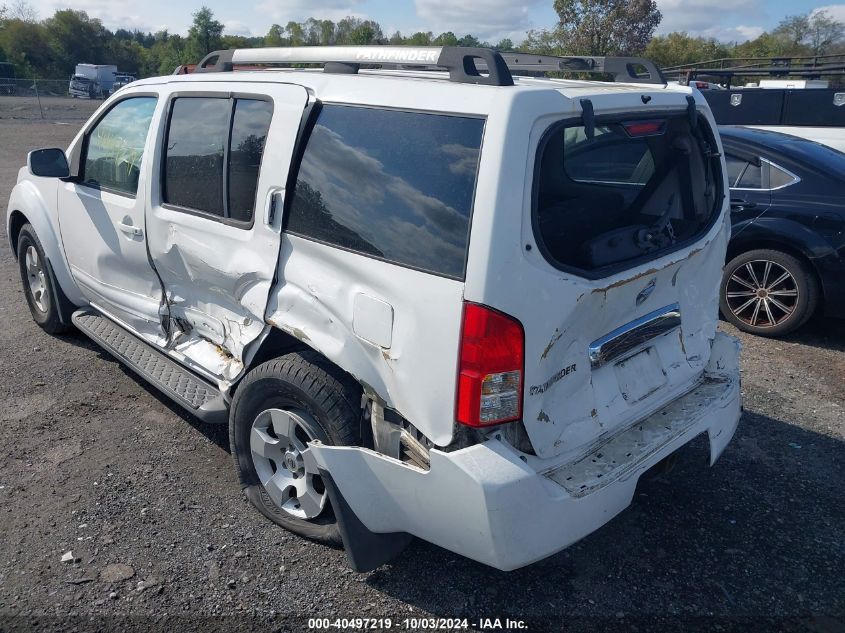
417, 624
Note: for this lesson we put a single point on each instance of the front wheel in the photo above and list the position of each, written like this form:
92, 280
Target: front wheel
278, 408
47, 304
768, 292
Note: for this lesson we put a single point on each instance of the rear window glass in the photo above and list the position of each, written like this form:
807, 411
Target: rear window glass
390, 184
628, 191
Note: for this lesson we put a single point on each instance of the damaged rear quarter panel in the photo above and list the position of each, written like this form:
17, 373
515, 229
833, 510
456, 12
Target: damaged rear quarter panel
314, 301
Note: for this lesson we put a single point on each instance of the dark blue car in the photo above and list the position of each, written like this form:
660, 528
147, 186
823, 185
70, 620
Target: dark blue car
786, 257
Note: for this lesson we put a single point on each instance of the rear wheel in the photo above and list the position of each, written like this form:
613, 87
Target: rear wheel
768, 293
279, 407
47, 304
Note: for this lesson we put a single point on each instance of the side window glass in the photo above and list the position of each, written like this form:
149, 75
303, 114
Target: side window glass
736, 167
115, 147
196, 141
752, 178
779, 178
406, 202
250, 124
213, 154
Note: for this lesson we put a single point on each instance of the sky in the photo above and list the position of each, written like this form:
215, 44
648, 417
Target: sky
726, 20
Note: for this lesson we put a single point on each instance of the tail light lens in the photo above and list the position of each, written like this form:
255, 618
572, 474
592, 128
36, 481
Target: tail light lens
490, 372
636, 129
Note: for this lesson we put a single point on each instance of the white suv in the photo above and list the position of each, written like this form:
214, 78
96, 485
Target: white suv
465, 306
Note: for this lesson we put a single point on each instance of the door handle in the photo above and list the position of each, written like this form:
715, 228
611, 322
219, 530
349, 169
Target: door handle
273, 208
742, 205
130, 229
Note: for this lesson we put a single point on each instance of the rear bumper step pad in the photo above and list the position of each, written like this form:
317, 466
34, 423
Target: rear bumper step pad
199, 396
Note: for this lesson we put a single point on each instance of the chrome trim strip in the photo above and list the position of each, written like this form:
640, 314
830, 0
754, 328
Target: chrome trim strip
632, 335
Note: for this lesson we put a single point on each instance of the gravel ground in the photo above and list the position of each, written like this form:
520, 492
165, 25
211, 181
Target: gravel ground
29, 107
93, 462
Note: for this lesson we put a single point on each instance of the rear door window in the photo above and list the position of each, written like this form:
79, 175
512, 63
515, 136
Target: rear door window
196, 143
250, 124
213, 155
752, 177
736, 167
390, 184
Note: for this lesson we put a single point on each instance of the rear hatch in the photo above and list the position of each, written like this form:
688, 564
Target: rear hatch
626, 217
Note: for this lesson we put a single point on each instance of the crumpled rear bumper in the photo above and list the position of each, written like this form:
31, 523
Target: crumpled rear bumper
486, 503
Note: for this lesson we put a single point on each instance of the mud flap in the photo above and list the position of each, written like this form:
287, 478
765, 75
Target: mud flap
365, 550
66, 308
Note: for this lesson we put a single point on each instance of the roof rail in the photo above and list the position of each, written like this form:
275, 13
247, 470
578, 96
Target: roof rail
461, 62
465, 65
623, 69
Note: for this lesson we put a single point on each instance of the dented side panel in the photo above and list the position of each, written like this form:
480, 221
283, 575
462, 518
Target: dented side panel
410, 369
218, 275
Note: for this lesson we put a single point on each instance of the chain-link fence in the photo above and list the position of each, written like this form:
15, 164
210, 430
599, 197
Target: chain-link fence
46, 99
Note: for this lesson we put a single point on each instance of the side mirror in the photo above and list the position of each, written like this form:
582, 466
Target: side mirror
49, 163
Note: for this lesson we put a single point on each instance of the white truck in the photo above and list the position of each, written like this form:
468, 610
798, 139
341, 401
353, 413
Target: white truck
429, 296
94, 81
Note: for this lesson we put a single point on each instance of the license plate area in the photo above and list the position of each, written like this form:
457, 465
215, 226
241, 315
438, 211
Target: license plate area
640, 375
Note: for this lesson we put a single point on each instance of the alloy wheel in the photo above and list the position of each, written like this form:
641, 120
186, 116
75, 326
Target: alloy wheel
37, 279
762, 293
278, 442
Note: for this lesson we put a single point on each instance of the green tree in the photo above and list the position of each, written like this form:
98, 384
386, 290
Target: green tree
75, 38
25, 45
168, 52
327, 32
420, 38
825, 33
275, 36
446, 39
793, 30
599, 27
679, 48
295, 34
204, 35
504, 45
362, 34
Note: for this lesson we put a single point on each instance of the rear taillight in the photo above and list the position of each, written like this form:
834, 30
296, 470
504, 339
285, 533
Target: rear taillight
491, 367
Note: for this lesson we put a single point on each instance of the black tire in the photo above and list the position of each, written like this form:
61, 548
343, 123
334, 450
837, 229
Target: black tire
53, 312
800, 294
306, 382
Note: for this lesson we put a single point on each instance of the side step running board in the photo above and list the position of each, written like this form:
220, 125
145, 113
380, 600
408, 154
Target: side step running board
195, 394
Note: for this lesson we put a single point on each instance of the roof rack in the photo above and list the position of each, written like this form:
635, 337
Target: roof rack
727, 68
465, 65
623, 69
